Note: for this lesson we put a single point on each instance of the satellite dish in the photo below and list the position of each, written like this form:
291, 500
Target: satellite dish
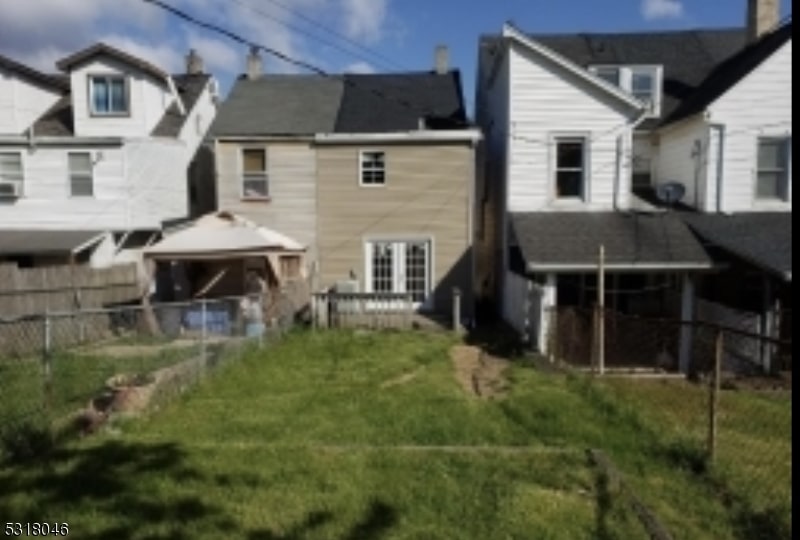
670, 192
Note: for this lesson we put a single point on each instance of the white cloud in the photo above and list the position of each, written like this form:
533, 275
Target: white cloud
364, 19
39, 32
661, 9
359, 67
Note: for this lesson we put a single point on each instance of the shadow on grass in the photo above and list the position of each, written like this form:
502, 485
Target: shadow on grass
604, 503
378, 520
104, 480
497, 339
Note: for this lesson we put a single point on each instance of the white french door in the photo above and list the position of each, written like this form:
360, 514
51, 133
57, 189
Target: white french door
400, 266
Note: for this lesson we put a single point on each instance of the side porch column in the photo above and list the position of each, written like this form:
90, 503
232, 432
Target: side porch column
548, 315
687, 316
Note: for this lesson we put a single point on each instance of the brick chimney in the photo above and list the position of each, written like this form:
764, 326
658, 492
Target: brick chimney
442, 60
255, 66
762, 16
194, 63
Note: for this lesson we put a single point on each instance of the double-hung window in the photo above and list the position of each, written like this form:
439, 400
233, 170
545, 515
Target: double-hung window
81, 179
570, 167
609, 74
108, 95
372, 167
255, 181
642, 82
11, 174
773, 168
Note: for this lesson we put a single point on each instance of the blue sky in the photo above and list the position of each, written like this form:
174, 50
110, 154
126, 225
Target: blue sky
378, 35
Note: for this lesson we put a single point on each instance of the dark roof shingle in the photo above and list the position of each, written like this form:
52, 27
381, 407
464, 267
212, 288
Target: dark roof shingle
21, 242
82, 56
571, 240
189, 88
763, 239
304, 105
280, 105
55, 82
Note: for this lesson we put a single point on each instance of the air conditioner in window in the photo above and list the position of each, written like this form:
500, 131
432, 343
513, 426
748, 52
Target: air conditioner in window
10, 189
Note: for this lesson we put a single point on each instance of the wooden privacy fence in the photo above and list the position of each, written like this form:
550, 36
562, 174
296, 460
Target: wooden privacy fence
33, 291
369, 310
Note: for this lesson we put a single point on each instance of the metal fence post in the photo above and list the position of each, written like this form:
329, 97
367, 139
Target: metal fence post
203, 329
713, 401
456, 309
47, 368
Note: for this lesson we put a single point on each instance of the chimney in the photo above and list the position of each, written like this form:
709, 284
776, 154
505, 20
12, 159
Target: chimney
194, 63
255, 66
442, 60
762, 16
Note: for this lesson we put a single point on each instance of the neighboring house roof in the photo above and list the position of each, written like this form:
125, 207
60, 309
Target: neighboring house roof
56, 82
101, 49
570, 241
21, 242
688, 56
58, 120
763, 239
728, 73
384, 103
305, 105
190, 87
278, 105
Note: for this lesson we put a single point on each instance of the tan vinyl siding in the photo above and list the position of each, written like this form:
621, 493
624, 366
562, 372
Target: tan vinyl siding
426, 195
291, 171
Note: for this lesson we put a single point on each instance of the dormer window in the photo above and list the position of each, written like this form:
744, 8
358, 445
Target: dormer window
642, 82
108, 95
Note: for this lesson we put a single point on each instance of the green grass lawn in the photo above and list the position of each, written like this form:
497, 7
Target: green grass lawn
306, 440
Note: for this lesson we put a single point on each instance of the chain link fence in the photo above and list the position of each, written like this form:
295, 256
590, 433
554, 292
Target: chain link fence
726, 410
64, 373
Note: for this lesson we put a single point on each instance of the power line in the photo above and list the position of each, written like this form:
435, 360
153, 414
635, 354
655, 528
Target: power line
295, 28
352, 42
293, 61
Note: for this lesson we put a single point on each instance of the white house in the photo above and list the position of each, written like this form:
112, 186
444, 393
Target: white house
582, 132
98, 153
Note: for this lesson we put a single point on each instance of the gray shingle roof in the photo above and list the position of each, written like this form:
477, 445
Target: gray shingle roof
688, 56
57, 121
21, 242
56, 82
763, 239
297, 105
383, 103
83, 56
280, 105
189, 87
730, 72
571, 240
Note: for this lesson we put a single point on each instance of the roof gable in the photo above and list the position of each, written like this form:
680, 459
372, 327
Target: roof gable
542, 49
101, 49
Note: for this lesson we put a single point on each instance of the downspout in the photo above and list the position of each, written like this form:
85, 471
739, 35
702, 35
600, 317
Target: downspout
620, 157
720, 162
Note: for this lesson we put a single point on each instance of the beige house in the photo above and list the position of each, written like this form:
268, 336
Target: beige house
375, 174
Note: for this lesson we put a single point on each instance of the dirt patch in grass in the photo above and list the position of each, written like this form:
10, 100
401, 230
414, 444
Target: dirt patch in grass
479, 373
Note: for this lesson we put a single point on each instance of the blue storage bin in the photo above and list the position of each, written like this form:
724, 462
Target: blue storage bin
218, 321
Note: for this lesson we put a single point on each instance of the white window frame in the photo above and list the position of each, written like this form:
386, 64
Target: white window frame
92, 77
264, 175
626, 73
72, 175
766, 201
21, 179
555, 138
398, 262
362, 170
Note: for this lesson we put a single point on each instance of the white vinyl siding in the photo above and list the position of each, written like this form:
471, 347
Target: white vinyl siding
22, 102
686, 157
543, 100
81, 178
759, 106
